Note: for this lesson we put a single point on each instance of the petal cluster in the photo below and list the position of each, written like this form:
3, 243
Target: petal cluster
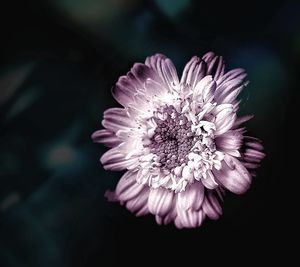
179, 140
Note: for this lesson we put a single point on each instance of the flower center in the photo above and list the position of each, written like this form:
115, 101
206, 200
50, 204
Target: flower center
172, 139
182, 149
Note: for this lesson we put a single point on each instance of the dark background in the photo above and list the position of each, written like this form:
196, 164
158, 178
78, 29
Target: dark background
58, 61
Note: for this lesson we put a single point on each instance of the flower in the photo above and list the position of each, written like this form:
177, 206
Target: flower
180, 142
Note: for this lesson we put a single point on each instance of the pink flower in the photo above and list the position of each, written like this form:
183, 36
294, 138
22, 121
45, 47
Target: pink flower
180, 141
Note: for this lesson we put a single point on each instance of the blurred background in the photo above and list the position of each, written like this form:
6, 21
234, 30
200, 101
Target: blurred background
58, 62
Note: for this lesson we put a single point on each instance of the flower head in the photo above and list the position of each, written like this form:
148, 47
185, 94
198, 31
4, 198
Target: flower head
180, 141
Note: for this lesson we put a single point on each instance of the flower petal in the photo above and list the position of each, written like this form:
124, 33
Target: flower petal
189, 218
235, 177
127, 86
253, 155
165, 69
253, 151
143, 211
211, 206
239, 74
250, 165
117, 119
225, 118
192, 197
210, 181
153, 87
139, 203
231, 96
178, 223
193, 72
215, 65
228, 88
205, 88
124, 91
115, 161
127, 187
105, 137
171, 215
241, 120
229, 141
160, 201
255, 145
140, 73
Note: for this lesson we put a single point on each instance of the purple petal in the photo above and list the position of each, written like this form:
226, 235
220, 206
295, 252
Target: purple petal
192, 197
153, 87
117, 119
111, 196
143, 211
220, 192
219, 69
208, 91
189, 218
255, 145
250, 165
235, 153
229, 141
140, 73
231, 96
208, 57
165, 70
193, 72
111, 155
127, 187
127, 86
115, 161
170, 73
226, 88
124, 91
251, 159
241, 120
105, 137
209, 182
170, 216
239, 74
251, 138
178, 223
139, 203
254, 154
159, 219
235, 178
215, 65
211, 206
225, 118
205, 88
160, 201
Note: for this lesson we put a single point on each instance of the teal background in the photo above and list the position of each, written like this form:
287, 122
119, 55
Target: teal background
58, 62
